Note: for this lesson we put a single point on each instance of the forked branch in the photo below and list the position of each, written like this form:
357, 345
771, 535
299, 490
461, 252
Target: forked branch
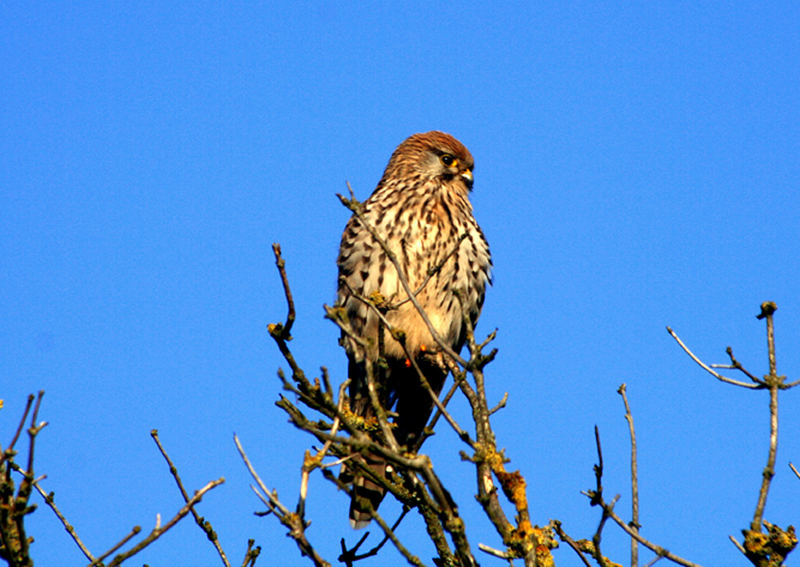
761, 548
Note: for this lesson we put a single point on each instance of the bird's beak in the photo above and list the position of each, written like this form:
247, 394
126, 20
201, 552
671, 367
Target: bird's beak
466, 175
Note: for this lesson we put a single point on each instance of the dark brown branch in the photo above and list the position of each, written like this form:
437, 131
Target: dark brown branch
433, 506
15, 507
358, 441
530, 543
438, 413
380, 411
596, 498
562, 535
350, 556
768, 309
290, 315
9, 451
738, 366
281, 332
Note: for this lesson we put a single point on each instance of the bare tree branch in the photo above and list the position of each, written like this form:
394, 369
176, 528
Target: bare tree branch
562, 535
113, 549
294, 523
772, 547
15, 506
158, 530
202, 523
773, 381
707, 368
50, 501
635, 525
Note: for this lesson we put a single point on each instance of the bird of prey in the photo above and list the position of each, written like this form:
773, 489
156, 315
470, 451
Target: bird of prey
421, 210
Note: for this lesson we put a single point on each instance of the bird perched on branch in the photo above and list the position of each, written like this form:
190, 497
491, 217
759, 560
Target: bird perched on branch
421, 211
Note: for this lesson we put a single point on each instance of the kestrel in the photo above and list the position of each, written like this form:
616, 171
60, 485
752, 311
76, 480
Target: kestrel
421, 210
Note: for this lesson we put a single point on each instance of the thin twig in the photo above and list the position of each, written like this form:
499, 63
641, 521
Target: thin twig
310, 463
280, 332
380, 411
273, 500
158, 531
9, 450
495, 552
438, 413
500, 405
796, 472
204, 524
738, 366
562, 535
33, 431
349, 556
737, 544
657, 549
131, 534
596, 498
707, 368
50, 501
290, 315
292, 521
623, 391
20, 549
389, 532
788, 385
655, 560
251, 553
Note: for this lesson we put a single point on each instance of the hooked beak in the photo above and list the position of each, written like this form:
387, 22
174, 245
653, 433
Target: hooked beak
466, 175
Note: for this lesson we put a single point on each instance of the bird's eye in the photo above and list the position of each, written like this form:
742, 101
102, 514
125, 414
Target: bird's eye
447, 160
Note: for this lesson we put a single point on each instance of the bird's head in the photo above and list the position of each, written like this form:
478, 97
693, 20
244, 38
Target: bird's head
433, 156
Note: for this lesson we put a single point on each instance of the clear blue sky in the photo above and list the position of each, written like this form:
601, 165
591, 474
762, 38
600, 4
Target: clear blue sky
636, 167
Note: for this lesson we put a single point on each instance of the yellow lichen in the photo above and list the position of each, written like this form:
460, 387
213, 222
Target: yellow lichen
377, 299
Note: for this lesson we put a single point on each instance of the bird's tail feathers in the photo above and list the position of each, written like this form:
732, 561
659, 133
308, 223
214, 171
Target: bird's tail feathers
367, 494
